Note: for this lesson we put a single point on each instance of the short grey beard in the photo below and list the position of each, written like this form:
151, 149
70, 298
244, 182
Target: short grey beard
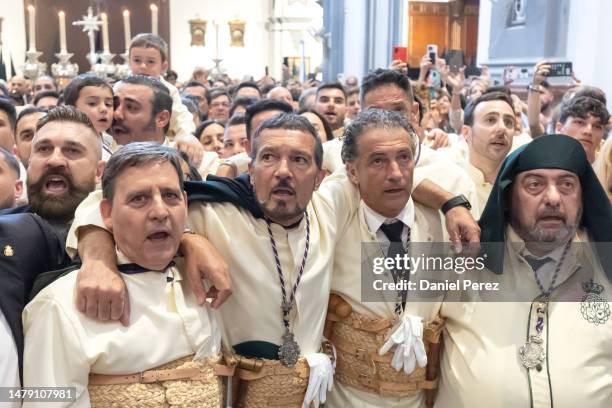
537, 240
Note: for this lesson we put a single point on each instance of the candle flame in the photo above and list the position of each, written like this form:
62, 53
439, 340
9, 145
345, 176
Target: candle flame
61, 13
153, 7
126, 13
103, 15
30, 8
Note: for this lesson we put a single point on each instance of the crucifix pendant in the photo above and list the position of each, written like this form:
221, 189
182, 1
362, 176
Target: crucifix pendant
532, 353
289, 351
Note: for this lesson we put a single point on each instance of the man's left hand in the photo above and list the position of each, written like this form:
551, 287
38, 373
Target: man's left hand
192, 147
437, 138
203, 261
462, 228
321, 379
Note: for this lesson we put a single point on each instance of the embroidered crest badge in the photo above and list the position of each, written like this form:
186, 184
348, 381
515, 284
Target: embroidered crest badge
8, 250
593, 307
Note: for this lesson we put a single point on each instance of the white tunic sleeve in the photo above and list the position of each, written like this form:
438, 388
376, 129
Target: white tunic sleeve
60, 360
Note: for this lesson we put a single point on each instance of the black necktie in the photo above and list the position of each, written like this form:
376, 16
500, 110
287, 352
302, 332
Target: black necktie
132, 268
536, 263
393, 232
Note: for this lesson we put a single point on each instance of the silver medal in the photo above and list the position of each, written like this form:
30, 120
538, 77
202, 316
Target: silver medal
289, 351
532, 353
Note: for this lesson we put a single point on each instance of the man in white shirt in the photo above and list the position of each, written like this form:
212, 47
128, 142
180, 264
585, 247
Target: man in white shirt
488, 128
380, 149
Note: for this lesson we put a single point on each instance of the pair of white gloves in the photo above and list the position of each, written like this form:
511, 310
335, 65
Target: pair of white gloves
321, 378
410, 350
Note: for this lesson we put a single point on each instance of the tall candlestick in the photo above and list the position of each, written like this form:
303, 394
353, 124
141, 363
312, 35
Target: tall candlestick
32, 27
105, 32
62, 31
126, 28
154, 19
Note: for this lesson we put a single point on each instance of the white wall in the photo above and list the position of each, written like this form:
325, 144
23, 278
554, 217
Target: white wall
260, 49
588, 44
238, 61
355, 35
484, 31
13, 33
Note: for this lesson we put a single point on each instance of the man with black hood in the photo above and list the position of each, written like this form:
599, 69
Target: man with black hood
544, 337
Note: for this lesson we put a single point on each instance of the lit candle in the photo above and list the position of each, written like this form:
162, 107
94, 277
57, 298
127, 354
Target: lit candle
105, 33
217, 39
154, 19
62, 31
126, 28
32, 15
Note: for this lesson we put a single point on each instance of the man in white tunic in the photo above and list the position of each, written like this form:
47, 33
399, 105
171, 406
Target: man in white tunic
167, 355
282, 273
438, 184
379, 150
544, 338
488, 130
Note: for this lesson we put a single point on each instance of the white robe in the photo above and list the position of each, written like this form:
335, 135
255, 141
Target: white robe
425, 227
480, 365
63, 346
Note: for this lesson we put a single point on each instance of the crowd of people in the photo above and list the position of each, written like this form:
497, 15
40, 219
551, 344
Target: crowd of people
205, 243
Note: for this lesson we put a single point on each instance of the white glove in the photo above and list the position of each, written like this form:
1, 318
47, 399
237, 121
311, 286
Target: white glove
321, 379
410, 350
240, 162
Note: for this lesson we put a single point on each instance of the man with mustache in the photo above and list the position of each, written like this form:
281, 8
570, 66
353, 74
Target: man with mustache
545, 335
143, 108
65, 165
282, 275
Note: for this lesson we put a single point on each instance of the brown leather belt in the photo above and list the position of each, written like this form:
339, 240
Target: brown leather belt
156, 376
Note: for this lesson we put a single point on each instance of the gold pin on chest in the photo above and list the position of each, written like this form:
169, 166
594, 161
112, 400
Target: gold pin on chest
8, 250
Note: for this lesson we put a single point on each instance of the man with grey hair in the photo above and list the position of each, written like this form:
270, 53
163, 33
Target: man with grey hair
380, 149
437, 184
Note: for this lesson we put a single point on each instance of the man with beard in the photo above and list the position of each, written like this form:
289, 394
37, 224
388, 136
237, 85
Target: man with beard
142, 113
331, 103
65, 166
545, 335
270, 215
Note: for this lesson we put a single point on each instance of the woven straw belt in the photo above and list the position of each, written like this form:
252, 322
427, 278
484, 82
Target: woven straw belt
358, 339
274, 385
179, 383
